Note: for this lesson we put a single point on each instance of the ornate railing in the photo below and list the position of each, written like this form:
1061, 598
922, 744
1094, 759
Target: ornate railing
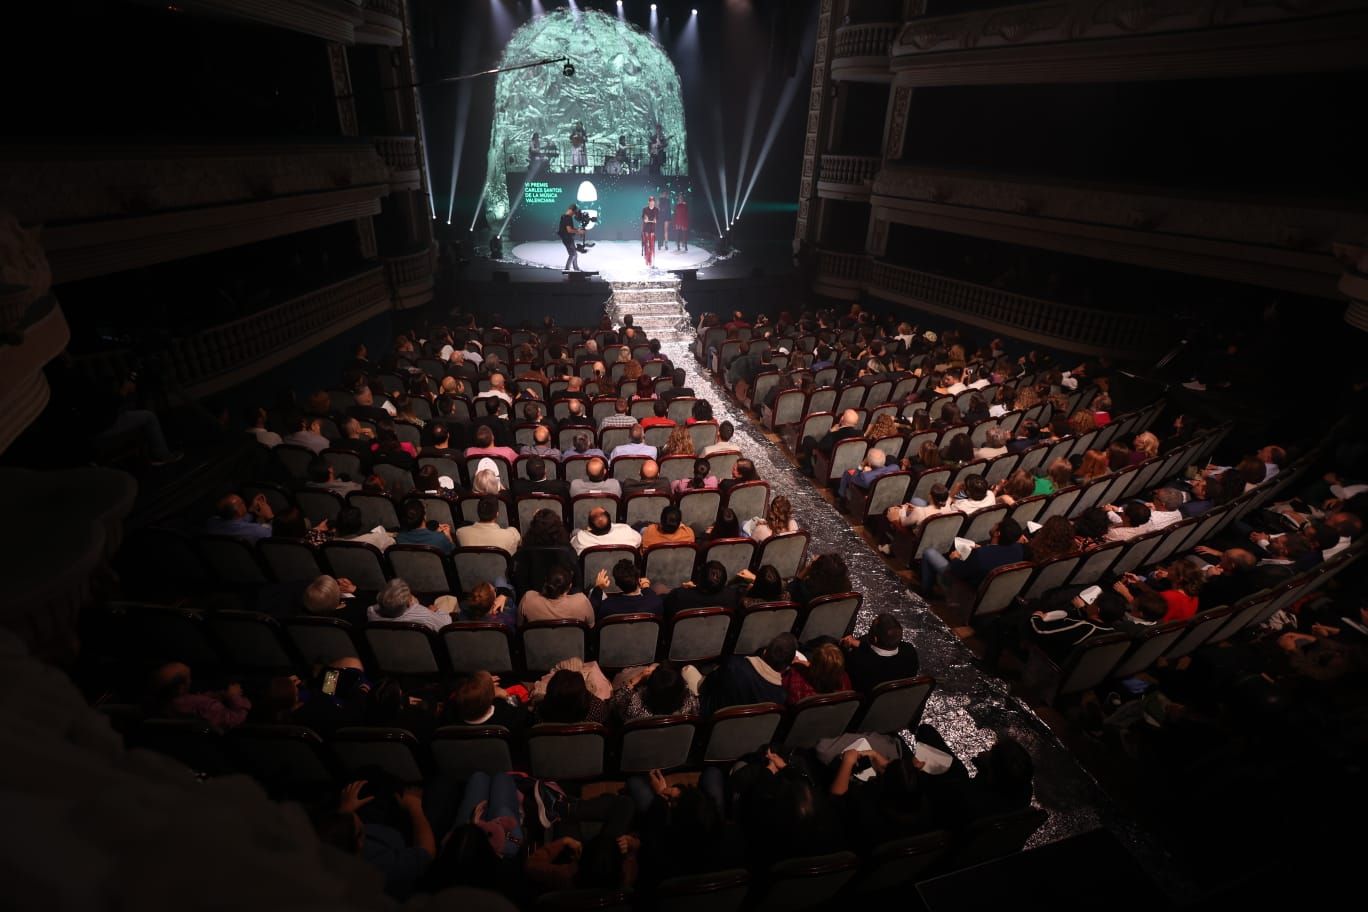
869, 39
193, 362
409, 268
848, 169
399, 152
394, 8
843, 267
1072, 326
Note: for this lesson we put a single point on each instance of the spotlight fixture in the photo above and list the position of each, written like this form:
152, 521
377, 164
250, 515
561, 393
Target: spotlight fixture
568, 69
496, 248
695, 12
653, 7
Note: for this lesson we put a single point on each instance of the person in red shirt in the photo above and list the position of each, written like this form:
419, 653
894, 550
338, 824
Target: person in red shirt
1184, 580
822, 673
661, 417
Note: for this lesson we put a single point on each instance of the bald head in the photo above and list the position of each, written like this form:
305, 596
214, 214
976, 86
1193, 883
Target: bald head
230, 507
1237, 560
850, 418
597, 469
650, 470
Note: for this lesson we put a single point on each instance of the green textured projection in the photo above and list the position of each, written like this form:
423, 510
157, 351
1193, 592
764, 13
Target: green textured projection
624, 83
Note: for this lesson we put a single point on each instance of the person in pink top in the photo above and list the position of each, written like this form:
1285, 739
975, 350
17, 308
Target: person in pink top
484, 446
221, 709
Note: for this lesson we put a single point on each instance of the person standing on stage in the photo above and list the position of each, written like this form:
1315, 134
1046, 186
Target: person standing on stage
681, 223
622, 154
649, 216
664, 220
534, 150
579, 149
566, 232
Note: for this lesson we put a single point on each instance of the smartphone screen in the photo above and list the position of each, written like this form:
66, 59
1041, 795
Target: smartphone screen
330, 678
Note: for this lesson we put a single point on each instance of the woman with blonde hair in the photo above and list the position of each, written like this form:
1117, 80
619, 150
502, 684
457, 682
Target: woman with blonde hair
680, 442
1026, 397
823, 673
777, 520
1146, 447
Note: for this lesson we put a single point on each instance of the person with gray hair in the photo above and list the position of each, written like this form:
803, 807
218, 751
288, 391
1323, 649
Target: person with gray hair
1165, 509
994, 444
875, 467
324, 594
396, 602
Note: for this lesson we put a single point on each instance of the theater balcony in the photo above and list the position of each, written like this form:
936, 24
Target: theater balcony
215, 358
860, 51
401, 155
847, 177
411, 277
343, 21
1277, 243
1127, 40
1053, 323
109, 208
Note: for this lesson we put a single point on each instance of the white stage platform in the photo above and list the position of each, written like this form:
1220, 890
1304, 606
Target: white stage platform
619, 261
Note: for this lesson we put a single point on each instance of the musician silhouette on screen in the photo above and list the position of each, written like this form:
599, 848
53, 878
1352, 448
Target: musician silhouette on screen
579, 148
658, 143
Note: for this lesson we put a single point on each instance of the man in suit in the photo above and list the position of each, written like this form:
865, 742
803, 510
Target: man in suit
536, 481
843, 429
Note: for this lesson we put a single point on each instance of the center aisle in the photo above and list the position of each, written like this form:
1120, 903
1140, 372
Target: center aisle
967, 706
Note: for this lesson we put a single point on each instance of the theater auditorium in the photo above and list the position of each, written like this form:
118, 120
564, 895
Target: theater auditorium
728, 455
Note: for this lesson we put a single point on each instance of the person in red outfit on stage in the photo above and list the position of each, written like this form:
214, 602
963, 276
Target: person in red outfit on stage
681, 223
649, 216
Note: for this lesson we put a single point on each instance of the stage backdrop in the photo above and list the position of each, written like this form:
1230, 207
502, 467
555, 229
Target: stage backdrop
624, 83
617, 200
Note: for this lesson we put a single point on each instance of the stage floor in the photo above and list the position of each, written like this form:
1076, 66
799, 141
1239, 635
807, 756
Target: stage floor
618, 261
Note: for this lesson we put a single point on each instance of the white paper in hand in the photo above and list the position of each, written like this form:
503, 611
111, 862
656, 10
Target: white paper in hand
963, 546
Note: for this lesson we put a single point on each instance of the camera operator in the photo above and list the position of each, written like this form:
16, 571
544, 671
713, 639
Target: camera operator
566, 233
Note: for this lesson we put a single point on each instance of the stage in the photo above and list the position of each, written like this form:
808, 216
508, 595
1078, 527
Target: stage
616, 261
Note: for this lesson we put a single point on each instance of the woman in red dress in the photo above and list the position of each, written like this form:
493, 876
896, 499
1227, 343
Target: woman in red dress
681, 224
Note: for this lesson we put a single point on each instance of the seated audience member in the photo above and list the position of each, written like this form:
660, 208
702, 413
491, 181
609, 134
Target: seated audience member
742, 680
485, 603
701, 480
847, 426
554, 600
708, 588
354, 441
541, 444
677, 389
396, 602
766, 586
1181, 581
634, 595
971, 494
412, 531
724, 444
913, 514
348, 527
875, 466
743, 471
601, 530
1055, 538
1004, 547
660, 414
670, 529
777, 520
487, 479
326, 596
537, 481
647, 482
679, 443
1058, 628
880, 655
825, 574
568, 700
620, 417
727, 526
637, 445
994, 444
546, 545
172, 696
234, 519
256, 427
1135, 517
1003, 785
1091, 528
477, 699
822, 672
582, 445
654, 690
486, 532
308, 433
596, 480
1165, 509
402, 862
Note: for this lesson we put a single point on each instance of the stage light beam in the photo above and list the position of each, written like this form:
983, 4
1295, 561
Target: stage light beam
785, 102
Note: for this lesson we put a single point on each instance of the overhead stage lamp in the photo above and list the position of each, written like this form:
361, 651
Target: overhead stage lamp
496, 248
568, 69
